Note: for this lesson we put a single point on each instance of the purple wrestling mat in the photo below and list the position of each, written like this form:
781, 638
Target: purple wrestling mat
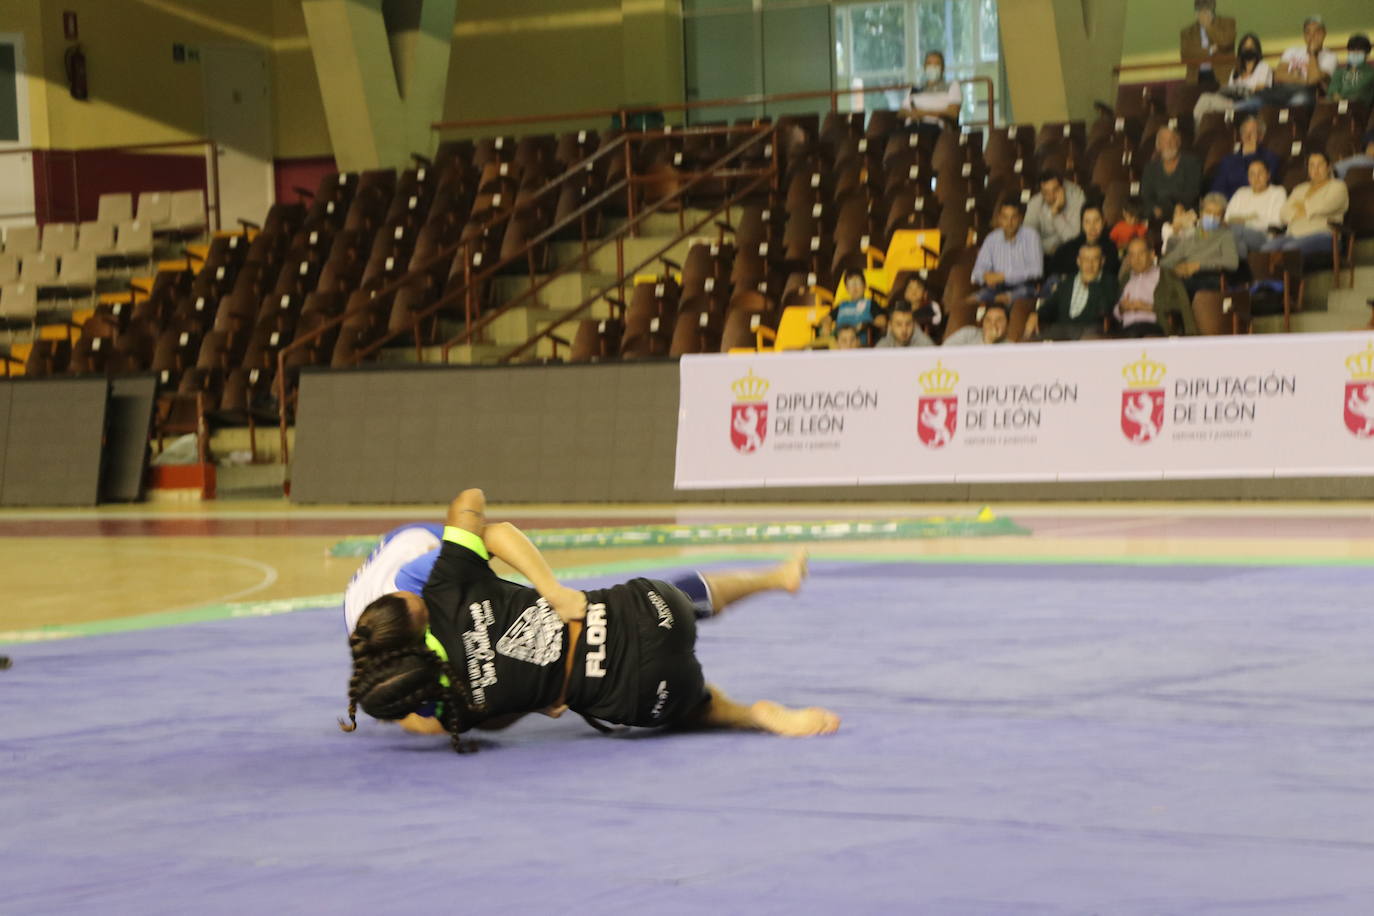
1041, 739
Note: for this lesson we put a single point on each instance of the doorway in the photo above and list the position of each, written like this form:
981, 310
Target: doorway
238, 119
16, 160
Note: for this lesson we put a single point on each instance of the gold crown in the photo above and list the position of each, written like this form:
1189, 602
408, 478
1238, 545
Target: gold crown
939, 380
1144, 373
750, 388
1361, 365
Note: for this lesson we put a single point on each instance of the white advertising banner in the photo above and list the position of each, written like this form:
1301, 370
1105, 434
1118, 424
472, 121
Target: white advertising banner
1262, 406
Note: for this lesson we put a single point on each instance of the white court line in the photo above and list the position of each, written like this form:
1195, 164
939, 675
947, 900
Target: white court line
269, 575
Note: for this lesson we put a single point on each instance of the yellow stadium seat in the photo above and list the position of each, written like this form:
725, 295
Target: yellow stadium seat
910, 249
796, 329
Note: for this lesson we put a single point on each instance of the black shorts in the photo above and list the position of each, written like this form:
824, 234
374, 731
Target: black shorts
661, 679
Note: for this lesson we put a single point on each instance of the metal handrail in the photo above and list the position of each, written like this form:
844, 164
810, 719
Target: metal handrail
624, 111
713, 170
444, 254
1174, 63
576, 312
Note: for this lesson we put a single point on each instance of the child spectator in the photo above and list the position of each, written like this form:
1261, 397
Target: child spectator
855, 310
1132, 224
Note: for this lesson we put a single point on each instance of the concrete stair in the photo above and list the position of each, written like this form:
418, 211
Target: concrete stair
1326, 308
552, 303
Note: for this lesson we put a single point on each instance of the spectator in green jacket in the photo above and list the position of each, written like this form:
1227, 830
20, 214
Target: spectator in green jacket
1355, 81
1080, 307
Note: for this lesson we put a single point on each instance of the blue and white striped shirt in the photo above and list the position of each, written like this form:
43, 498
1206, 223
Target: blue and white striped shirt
1019, 260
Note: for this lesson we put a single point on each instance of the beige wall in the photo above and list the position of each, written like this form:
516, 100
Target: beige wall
1059, 55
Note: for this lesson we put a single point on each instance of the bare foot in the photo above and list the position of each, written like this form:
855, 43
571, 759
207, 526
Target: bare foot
794, 723
792, 572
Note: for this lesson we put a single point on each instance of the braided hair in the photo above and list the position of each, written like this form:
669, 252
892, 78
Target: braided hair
395, 674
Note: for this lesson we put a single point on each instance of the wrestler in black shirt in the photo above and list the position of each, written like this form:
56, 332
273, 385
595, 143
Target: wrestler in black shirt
480, 651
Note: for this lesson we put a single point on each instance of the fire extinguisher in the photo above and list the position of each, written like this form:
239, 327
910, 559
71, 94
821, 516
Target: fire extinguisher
75, 63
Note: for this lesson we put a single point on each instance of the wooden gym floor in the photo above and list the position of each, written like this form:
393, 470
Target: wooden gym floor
79, 572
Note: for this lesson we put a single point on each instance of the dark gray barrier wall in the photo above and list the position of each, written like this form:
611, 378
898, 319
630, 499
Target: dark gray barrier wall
132, 399
592, 433
51, 435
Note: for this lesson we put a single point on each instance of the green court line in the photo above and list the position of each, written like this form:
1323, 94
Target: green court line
982, 524
214, 612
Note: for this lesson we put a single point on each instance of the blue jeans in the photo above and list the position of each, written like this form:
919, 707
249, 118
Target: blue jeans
1316, 243
989, 293
1249, 239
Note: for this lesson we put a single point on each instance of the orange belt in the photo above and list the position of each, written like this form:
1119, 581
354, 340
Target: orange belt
574, 631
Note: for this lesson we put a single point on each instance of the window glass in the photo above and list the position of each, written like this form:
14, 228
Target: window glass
9, 99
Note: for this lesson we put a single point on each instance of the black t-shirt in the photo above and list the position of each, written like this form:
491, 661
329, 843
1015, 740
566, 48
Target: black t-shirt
509, 645
501, 638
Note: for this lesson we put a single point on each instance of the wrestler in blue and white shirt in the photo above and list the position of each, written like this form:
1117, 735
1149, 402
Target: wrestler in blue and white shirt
400, 562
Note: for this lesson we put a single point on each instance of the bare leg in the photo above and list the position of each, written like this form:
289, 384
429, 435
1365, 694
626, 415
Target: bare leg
729, 587
764, 716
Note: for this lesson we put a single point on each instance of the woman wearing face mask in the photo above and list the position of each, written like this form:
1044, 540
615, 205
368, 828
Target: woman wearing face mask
1355, 81
934, 103
1250, 76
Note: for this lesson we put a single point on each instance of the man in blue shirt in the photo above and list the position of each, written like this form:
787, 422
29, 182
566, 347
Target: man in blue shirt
1011, 261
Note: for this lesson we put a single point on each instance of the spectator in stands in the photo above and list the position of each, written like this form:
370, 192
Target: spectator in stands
1148, 295
1355, 81
935, 101
847, 338
990, 329
1311, 208
856, 308
1011, 262
1206, 45
1234, 171
1363, 160
1055, 213
1304, 69
1133, 224
1093, 232
1079, 308
910, 287
1256, 210
902, 330
1173, 177
1250, 77
1202, 247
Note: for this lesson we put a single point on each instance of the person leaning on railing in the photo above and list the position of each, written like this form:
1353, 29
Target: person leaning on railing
1207, 45
935, 101
1250, 77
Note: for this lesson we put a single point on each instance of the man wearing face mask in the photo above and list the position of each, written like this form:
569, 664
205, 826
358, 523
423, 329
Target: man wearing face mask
1207, 45
936, 101
1201, 248
1355, 81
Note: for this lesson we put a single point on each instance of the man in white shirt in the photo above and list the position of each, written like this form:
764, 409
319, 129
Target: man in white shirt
935, 102
1305, 68
1255, 209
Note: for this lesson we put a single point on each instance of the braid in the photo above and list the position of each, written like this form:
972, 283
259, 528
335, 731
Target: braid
392, 684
